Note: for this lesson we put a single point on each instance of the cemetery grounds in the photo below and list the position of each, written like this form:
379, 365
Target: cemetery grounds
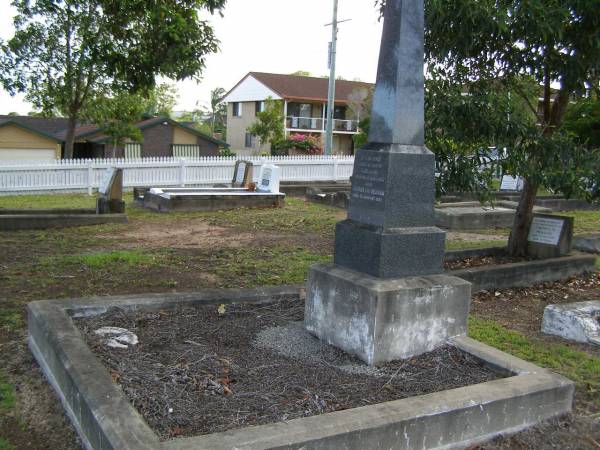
245, 248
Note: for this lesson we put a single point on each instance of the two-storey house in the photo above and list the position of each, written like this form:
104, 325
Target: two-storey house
304, 109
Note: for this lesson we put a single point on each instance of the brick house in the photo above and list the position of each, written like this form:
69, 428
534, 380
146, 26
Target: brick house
304, 105
28, 138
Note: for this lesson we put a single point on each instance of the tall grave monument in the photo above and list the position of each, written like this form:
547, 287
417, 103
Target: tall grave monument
385, 296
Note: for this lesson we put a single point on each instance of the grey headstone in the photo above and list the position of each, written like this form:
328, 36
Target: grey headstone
550, 236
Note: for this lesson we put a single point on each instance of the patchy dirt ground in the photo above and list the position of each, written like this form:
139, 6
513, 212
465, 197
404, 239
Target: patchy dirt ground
191, 252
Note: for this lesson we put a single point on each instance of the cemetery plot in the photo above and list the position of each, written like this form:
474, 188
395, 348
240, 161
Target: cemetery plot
199, 370
243, 194
110, 209
89, 392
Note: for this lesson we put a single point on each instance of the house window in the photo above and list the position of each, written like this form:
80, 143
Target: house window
248, 143
133, 150
237, 109
259, 107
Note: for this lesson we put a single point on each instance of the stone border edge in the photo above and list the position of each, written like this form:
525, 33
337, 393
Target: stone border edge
105, 419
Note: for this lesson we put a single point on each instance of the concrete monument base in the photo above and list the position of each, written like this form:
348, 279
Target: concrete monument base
381, 320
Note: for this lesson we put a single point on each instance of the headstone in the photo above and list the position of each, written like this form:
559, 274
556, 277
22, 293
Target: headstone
385, 296
578, 322
550, 236
110, 192
268, 179
510, 183
242, 174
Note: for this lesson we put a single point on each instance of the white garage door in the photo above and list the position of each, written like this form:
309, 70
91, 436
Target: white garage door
27, 154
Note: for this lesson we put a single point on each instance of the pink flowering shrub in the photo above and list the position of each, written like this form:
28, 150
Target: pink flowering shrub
303, 143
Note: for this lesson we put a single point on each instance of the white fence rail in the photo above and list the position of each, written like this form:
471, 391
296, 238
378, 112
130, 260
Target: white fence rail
85, 175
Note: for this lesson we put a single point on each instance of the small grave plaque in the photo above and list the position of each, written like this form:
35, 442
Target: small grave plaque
550, 236
510, 183
268, 179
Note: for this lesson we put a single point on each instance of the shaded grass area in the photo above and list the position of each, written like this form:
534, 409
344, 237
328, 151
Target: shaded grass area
43, 201
578, 366
7, 404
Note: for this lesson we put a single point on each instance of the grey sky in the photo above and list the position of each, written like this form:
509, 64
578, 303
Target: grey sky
279, 36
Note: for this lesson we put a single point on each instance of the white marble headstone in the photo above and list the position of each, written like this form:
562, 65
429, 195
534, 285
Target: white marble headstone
510, 183
268, 180
545, 230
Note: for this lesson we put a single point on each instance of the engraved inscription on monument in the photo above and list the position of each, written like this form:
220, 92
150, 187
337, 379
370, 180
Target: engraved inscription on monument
368, 179
545, 231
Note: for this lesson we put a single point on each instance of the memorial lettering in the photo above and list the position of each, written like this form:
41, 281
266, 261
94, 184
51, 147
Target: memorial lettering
545, 230
368, 181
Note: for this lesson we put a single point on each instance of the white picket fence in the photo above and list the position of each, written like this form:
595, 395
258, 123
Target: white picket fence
85, 175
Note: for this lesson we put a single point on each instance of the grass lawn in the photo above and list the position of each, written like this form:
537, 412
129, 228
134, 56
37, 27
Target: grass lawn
187, 252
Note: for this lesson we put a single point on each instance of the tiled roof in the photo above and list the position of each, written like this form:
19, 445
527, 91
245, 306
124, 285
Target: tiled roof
45, 125
297, 87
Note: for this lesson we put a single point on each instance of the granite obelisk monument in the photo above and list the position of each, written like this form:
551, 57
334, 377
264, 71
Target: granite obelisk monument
385, 296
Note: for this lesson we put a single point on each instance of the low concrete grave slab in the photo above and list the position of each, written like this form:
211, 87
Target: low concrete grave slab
473, 215
456, 418
574, 321
587, 243
519, 274
42, 219
266, 195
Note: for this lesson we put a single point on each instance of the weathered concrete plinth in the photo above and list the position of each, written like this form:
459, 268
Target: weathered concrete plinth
381, 320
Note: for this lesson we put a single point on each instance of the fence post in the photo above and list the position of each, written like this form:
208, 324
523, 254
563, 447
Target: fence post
182, 172
335, 168
90, 175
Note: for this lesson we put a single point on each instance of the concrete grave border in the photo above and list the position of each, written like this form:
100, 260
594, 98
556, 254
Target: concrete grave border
519, 274
455, 418
41, 219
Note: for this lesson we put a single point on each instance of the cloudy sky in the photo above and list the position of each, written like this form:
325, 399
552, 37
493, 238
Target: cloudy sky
280, 36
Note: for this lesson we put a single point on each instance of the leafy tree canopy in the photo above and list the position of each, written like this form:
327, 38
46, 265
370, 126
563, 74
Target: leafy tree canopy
65, 52
268, 126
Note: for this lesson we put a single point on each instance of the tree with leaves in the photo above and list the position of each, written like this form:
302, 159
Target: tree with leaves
218, 109
160, 100
117, 117
548, 49
66, 52
268, 126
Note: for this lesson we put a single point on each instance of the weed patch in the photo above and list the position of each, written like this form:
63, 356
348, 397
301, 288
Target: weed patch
101, 260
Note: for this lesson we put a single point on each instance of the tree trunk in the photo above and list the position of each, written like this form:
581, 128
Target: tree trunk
70, 138
114, 149
517, 242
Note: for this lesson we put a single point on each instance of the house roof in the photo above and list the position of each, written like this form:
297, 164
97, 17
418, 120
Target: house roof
55, 128
14, 120
152, 122
296, 87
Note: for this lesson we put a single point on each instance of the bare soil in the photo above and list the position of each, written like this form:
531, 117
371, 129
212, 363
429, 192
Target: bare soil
197, 371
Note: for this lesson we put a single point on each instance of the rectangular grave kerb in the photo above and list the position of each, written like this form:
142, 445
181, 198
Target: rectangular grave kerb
456, 418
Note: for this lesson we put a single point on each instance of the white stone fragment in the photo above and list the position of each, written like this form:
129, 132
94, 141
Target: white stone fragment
579, 322
118, 337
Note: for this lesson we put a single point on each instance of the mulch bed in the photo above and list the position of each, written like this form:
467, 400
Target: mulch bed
199, 370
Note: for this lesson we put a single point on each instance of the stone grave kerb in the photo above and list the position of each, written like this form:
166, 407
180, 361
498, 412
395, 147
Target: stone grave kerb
385, 296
